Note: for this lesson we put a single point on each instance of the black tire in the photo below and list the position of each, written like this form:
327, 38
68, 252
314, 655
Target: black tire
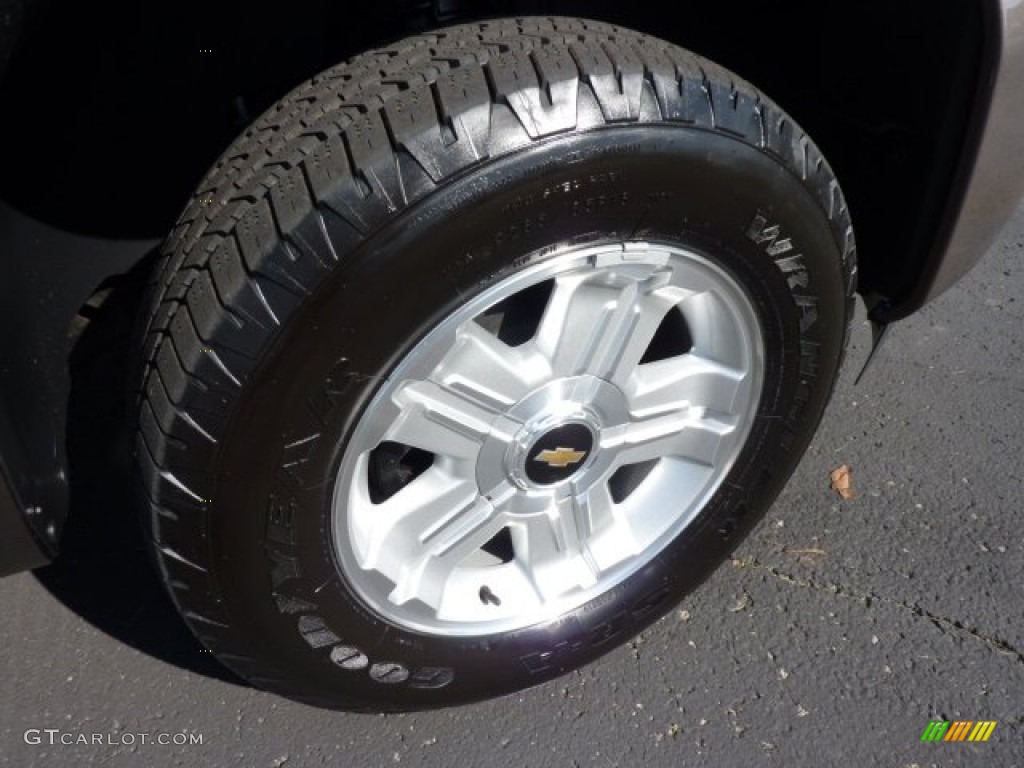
367, 205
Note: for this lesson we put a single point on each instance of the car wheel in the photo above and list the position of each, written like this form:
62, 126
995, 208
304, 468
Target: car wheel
476, 354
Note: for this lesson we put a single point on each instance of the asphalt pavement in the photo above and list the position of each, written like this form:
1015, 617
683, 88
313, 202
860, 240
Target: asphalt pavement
840, 629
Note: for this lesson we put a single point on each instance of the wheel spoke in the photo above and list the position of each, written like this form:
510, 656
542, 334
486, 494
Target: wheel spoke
589, 512
550, 549
437, 419
603, 327
677, 435
405, 520
685, 381
426, 575
427, 530
488, 370
613, 538
571, 525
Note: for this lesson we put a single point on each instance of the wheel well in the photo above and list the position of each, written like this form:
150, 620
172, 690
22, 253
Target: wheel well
126, 105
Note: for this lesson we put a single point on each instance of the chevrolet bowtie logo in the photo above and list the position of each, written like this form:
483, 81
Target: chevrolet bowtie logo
560, 457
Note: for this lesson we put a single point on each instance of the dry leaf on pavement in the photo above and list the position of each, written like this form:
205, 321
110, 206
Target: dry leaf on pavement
842, 481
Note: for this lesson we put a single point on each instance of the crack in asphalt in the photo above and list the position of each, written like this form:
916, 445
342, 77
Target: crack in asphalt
943, 623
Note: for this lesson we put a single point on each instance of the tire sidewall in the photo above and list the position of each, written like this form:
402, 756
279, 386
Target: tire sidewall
270, 528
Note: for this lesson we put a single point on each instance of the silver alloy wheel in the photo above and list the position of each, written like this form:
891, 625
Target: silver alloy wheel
547, 439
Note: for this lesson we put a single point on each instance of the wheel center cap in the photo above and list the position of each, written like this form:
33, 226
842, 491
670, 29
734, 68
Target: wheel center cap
552, 437
559, 453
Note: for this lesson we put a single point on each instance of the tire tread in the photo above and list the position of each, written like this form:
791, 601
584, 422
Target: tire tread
354, 146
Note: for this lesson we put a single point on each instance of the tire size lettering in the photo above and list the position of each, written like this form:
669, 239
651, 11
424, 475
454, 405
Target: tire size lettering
512, 232
567, 187
600, 202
